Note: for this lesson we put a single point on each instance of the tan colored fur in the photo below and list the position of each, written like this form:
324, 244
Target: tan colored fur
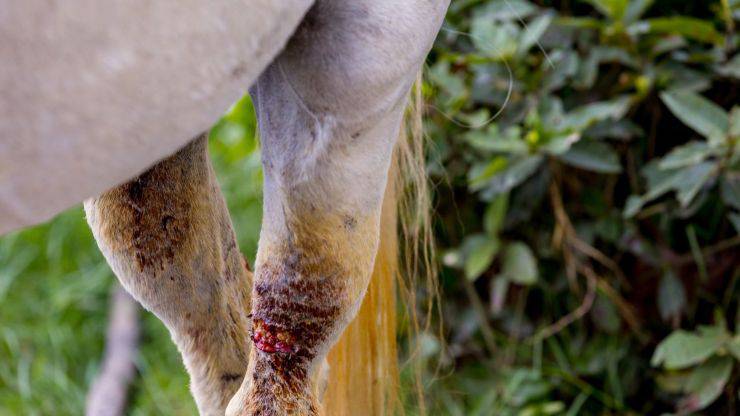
363, 365
168, 237
308, 286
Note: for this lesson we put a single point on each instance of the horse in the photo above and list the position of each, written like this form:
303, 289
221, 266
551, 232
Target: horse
108, 102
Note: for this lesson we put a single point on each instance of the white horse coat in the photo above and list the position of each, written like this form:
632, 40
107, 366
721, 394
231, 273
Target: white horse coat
94, 92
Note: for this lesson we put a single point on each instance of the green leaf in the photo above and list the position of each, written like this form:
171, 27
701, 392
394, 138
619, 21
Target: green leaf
667, 44
492, 139
735, 121
734, 218
683, 349
550, 112
533, 32
731, 68
480, 252
671, 297
687, 182
597, 56
614, 9
734, 346
622, 130
697, 112
659, 181
673, 382
508, 9
677, 76
730, 189
524, 385
566, 66
633, 205
579, 22
636, 9
479, 175
442, 77
582, 117
691, 180
516, 173
593, 156
476, 119
706, 383
561, 143
690, 27
686, 155
578, 403
519, 264
495, 214
496, 39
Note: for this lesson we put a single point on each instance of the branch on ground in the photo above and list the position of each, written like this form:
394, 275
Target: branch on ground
107, 395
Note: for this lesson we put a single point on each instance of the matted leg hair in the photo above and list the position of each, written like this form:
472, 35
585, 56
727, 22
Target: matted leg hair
168, 237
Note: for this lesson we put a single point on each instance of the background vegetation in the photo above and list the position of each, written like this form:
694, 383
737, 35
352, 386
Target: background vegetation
586, 162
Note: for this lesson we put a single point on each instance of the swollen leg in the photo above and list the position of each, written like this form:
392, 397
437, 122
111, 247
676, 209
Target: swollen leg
168, 237
329, 110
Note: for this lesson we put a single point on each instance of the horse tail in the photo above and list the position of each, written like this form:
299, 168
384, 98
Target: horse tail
363, 365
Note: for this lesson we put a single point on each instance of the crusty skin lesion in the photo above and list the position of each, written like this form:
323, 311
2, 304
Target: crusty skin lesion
305, 290
169, 239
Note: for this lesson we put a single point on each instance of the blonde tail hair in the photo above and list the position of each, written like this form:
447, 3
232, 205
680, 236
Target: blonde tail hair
363, 365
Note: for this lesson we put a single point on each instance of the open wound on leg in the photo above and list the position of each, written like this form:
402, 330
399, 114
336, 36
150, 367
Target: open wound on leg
297, 306
268, 338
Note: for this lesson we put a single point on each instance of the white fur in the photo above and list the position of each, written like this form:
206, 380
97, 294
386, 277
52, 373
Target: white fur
346, 72
94, 92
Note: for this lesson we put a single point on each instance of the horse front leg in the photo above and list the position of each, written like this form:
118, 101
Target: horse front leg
168, 237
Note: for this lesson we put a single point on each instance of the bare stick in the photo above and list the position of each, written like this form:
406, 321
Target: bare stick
576, 314
107, 396
568, 239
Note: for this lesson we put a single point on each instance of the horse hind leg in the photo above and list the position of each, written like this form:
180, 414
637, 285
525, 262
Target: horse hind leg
168, 237
329, 109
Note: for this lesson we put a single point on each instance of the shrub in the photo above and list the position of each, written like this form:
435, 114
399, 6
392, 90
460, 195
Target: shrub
587, 160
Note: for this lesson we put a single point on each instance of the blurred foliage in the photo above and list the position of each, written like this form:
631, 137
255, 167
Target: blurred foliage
587, 161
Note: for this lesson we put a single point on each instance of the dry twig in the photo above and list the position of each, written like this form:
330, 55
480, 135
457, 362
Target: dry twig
576, 314
107, 396
568, 240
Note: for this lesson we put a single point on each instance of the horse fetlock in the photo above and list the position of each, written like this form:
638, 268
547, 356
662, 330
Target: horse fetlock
300, 304
277, 384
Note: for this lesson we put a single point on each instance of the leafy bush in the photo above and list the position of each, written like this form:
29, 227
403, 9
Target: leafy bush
587, 155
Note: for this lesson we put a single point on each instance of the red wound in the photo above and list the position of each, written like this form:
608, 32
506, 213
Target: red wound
269, 339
